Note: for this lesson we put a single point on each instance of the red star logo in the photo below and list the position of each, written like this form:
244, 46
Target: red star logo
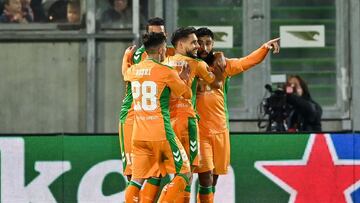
320, 177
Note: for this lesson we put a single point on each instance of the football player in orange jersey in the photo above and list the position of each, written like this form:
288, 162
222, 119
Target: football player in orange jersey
212, 109
152, 185
155, 148
126, 114
182, 111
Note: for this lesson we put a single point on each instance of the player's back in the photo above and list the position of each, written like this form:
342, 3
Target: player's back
151, 83
130, 58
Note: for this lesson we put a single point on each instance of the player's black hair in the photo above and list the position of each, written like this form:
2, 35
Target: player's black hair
153, 40
181, 33
201, 32
154, 21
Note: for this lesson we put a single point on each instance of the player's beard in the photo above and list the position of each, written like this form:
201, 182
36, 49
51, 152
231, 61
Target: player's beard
209, 59
191, 54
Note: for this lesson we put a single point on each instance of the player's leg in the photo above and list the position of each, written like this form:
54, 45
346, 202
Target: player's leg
125, 133
163, 193
133, 189
186, 129
205, 169
215, 179
150, 190
144, 166
174, 151
206, 194
221, 155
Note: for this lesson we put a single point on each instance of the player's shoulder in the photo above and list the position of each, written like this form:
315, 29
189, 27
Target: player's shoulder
138, 55
170, 50
140, 50
199, 62
161, 65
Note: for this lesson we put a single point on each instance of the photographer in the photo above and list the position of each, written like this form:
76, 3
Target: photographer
306, 113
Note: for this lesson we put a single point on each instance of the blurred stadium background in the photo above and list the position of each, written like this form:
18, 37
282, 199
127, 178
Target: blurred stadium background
59, 78
61, 91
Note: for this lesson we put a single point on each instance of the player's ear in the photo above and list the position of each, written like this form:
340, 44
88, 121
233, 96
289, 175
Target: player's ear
180, 44
160, 50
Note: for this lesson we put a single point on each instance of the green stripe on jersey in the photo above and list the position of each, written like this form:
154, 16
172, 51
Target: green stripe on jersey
193, 141
125, 107
122, 147
226, 87
193, 90
170, 134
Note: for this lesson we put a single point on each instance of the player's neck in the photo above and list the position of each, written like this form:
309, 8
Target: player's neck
154, 57
180, 52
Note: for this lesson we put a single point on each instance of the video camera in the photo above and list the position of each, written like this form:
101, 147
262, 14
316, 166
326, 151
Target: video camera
276, 108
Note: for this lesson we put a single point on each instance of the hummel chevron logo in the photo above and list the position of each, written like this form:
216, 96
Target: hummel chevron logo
136, 57
176, 153
193, 146
177, 159
177, 156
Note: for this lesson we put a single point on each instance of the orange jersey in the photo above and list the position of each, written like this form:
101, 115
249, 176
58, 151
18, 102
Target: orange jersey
129, 59
212, 103
198, 69
127, 111
151, 84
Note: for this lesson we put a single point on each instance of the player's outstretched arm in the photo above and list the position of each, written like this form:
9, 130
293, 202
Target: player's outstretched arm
239, 65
